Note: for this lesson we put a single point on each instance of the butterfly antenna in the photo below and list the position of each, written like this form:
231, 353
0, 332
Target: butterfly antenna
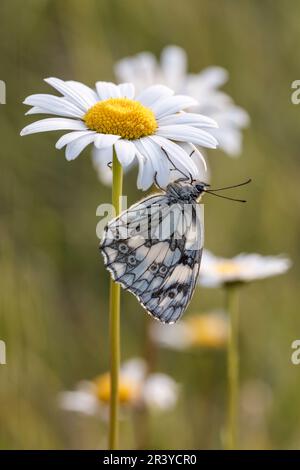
233, 186
177, 169
225, 197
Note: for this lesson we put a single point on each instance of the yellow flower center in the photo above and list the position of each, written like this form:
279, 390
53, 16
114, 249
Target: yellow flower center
227, 267
121, 116
208, 330
128, 390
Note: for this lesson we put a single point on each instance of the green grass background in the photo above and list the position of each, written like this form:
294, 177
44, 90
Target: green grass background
53, 286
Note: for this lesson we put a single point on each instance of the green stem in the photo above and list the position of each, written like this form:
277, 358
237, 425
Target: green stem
233, 366
114, 322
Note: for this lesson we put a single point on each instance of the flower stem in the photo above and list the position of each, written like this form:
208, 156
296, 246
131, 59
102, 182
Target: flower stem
114, 322
233, 366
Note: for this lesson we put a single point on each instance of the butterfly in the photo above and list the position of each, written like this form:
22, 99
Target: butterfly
154, 248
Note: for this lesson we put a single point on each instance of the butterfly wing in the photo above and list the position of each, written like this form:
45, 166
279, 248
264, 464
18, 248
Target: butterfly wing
154, 250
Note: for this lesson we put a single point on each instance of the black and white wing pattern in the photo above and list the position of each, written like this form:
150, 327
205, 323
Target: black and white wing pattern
154, 250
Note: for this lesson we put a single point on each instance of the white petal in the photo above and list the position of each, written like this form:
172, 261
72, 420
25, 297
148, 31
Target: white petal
213, 77
54, 105
155, 154
230, 140
69, 91
78, 401
90, 95
53, 124
107, 90
234, 116
100, 162
141, 69
37, 110
177, 155
135, 370
172, 105
146, 172
75, 147
154, 94
105, 140
67, 138
192, 119
184, 133
125, 151
198, 159
127, 90
160, 392
103, 155
174, 65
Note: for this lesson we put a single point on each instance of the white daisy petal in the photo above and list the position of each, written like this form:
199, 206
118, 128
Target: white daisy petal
191, 119
229, 139
144, 70
67, 138
70, 92
54, 105
53, 124
90, 95
155, 154
107, 90
37, 110
213, 77
154, 94
75, 147
101, 162
171, 105
127, 90
105, 155
125, 151
174, 65
183, 133
177, 155
160, 392
79, 401
198, 158
105, 140
146, 172
245, 267
140, 70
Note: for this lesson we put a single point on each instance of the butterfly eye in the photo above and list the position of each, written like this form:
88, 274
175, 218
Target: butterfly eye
123, 248
199, 187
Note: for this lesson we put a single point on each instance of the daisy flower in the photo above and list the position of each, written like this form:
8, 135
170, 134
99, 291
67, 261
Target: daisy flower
207, 331
144, 70
242, 268
139, 127
137, 389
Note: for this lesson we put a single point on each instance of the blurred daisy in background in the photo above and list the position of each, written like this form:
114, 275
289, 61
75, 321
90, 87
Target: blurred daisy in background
206, 330
137, 390
172, 70
216, 271
148, 128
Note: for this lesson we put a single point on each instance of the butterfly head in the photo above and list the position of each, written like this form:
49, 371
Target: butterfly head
199, 188
187, 190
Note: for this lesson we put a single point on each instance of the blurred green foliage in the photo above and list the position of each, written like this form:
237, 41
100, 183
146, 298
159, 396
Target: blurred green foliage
53, 287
